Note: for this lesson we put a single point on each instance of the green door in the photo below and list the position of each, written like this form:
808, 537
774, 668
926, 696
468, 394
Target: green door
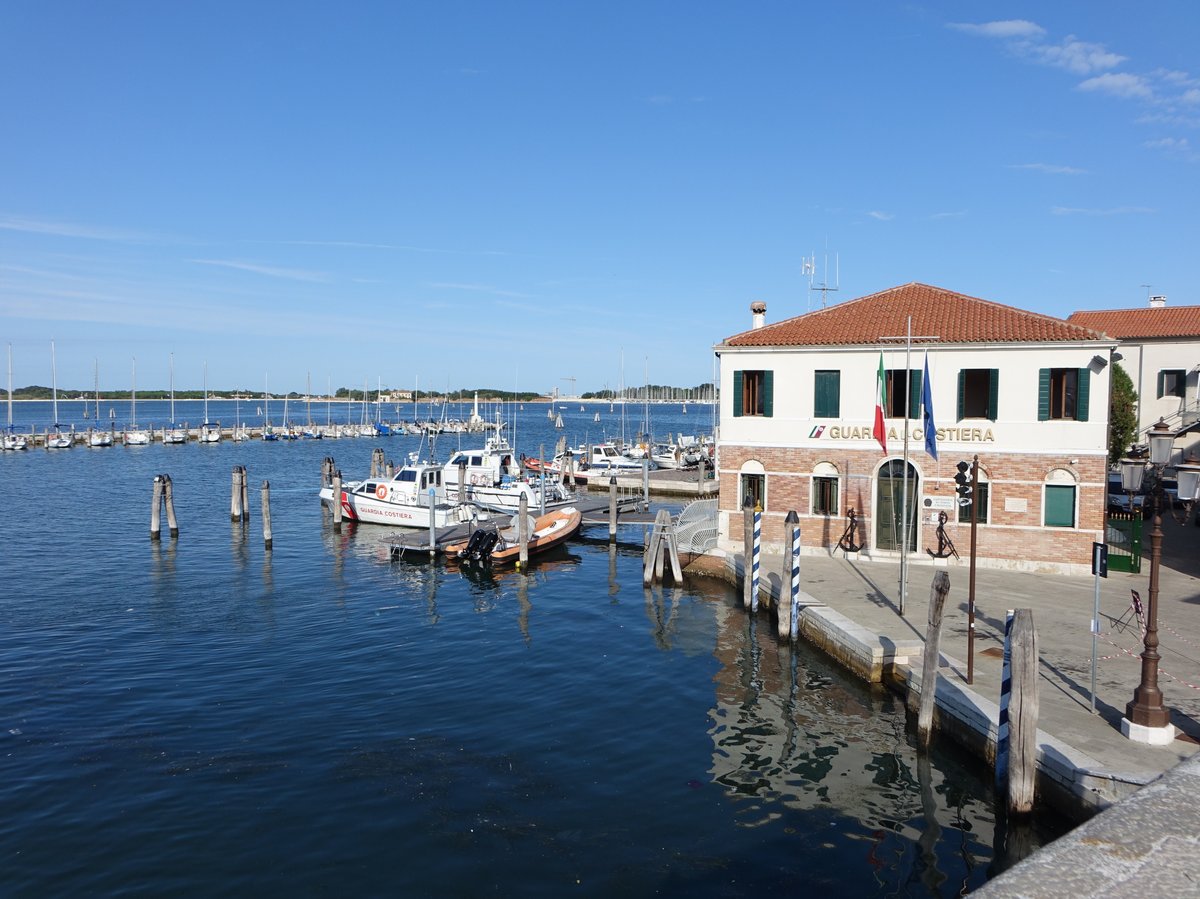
889, 506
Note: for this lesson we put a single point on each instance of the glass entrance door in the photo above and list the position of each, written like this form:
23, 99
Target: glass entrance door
889, 506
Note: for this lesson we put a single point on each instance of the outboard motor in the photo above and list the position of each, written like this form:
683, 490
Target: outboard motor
471, 551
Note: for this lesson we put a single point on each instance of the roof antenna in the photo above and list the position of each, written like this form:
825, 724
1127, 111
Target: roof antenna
823, 288
1147, 286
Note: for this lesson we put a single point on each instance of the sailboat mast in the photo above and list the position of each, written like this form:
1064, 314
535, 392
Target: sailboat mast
54, 382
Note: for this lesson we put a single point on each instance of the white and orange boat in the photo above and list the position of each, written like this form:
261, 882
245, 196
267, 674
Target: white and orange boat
501, 546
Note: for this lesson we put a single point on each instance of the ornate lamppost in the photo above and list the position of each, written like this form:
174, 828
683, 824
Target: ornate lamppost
1146, 719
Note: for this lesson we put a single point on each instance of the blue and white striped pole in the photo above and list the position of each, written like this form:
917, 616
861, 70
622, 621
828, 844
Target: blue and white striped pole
1005, 695
795, 580
754, 565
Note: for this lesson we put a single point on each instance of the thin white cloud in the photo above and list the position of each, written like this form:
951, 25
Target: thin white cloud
271, 271
1008, 28
660, 99
69, 229
1048, 169
1119, 84
1168, 143
478, 288
1115, 210
1074, 55
949, 215
881, 216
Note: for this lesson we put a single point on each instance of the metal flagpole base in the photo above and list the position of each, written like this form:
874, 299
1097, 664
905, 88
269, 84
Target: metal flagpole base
1154, 736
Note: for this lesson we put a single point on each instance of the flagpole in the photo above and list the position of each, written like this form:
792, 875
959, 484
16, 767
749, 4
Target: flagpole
906, 524
904, 498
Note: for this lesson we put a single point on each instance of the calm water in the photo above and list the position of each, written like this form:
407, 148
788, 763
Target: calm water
203, 717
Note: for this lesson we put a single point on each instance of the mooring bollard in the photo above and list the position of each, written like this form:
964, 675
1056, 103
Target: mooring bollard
748, 549
432, 524
155, 509
929, 661
266, 514
336, 504
169, 500
245, 495
523, 529
612, 508
789, 584
235, 502
1023, 714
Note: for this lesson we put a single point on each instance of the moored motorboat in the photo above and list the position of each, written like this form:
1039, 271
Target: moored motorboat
491, 479
502, 546
407, 499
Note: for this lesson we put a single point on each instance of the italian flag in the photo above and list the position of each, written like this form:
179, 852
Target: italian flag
880, 431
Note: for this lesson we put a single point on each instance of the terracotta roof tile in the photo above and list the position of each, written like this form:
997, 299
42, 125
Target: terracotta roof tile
953, 317
1129, 324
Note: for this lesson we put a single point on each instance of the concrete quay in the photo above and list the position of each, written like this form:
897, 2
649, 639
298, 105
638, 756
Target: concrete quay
850, 608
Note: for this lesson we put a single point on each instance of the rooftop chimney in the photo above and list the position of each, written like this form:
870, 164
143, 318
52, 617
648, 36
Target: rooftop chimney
1157, 302
758, 312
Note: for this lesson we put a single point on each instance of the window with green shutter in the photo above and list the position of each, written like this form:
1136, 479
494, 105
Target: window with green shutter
978, 393
827, 394
753, 393
1064, 394
1060, 506
903, 393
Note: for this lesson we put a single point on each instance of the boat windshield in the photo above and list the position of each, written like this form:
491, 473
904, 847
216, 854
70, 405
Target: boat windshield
406, 474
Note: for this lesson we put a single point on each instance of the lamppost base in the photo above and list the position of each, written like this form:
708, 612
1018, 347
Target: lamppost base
1154, 736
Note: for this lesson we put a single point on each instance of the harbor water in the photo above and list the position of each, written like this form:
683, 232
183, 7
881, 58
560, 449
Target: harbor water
202, 716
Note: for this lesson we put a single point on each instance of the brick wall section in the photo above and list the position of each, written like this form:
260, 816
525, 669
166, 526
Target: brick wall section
1009, 535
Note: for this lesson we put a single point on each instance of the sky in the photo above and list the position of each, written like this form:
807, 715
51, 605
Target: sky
541, 195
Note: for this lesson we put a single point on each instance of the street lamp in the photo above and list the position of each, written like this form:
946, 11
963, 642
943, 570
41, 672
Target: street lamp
1146, 719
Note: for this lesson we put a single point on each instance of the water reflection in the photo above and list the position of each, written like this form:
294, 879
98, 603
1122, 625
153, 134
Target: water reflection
790, 734
663, 614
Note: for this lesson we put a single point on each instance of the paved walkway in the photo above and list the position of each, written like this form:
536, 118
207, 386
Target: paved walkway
867, 593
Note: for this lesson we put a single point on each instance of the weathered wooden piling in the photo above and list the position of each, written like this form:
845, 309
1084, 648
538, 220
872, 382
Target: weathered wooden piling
336, 504
789, 582
389, 470
235, 501
662, 548
245, 495
156, 509
523, 530
327, 469
929, 660
266, 514
748, 598
169, 501
1023, 714
612, 507
432, 523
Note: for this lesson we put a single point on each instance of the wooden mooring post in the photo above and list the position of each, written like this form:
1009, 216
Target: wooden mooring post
1023, 714
661, 548
266, 514
929, 660
336, 503
327, 469
156, 509
612, 508
169, 501
747, 548
235, 501
789, 584
523, 530
245, 496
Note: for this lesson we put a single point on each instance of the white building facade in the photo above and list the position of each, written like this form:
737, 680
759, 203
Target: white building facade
1160, 350
1027, 393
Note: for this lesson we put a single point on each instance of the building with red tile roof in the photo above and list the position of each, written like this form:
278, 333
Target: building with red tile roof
1025, 392
1160, 346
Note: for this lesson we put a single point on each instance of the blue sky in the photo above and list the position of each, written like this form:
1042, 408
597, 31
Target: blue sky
514, 194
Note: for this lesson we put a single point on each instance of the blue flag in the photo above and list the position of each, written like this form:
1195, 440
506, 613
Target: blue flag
927, 404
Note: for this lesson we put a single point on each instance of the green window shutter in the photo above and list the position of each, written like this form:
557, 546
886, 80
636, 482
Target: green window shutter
1085, 389
1060, 506
737, 394
827, 392
993, 393
1043, 394
914, 393
768, 386
962, 393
